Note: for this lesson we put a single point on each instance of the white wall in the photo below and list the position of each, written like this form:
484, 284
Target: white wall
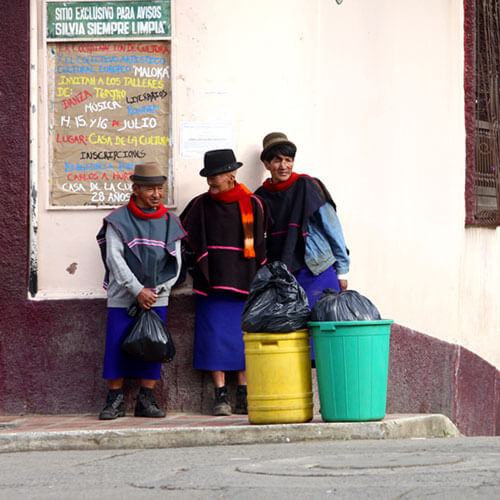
253, 63
394, 119
372, 94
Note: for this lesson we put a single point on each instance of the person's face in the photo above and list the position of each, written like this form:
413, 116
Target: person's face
221, 182
148, 196
280, 168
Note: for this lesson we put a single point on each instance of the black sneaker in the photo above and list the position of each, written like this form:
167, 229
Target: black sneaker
146, 405
222, 406
241, 400
115, 407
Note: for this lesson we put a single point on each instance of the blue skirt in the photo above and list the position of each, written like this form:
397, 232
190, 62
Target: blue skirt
118, 364
218, 341
314, 286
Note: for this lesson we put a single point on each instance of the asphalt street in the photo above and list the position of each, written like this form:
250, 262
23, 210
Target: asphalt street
446, 468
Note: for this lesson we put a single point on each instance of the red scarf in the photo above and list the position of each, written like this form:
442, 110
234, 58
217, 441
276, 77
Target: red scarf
138, 212
241, 194
281, 186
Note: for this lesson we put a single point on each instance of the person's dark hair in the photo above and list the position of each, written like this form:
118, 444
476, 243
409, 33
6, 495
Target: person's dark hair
280, 149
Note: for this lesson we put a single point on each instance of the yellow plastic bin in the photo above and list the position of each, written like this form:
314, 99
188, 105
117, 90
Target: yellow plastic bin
278, 367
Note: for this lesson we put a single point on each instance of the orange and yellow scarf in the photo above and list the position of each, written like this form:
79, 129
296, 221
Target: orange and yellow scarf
241, 194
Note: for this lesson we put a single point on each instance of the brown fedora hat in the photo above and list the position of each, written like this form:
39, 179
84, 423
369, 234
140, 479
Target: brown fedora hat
273, 139
148, 173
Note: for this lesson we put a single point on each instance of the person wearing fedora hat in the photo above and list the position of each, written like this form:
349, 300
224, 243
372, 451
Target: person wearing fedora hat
224, 249
140, 246
307, 235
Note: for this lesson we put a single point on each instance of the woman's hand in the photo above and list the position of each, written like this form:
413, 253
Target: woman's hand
146, 298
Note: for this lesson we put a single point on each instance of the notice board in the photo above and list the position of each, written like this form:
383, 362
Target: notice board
109, 103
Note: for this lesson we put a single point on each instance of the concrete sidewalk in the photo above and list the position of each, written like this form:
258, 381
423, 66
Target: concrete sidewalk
176, 430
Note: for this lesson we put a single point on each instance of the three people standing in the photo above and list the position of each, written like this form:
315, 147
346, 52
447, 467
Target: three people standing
226, 244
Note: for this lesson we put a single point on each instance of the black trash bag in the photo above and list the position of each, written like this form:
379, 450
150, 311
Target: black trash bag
276, 303
348, 305
149, 339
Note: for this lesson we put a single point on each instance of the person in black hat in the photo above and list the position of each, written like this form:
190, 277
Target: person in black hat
306, 235
141, 250
224, 249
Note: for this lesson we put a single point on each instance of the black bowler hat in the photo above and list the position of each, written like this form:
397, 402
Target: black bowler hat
219, 161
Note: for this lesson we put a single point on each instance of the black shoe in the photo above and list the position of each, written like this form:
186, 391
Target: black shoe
146, 405
222, 406
241, 400
115, 407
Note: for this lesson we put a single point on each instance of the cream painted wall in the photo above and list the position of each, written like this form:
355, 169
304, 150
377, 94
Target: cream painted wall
394, 120
372, 93
252, 63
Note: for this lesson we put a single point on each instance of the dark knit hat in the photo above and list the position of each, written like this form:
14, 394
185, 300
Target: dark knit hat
273, 139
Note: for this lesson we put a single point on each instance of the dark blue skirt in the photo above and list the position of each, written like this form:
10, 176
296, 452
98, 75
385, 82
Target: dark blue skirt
218, 341
314, 286
118, 364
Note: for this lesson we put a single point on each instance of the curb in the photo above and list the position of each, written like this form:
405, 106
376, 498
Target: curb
421, 426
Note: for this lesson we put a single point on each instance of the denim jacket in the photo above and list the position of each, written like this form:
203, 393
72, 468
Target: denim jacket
325, 245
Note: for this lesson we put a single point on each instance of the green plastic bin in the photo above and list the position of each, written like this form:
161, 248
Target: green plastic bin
352, 361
